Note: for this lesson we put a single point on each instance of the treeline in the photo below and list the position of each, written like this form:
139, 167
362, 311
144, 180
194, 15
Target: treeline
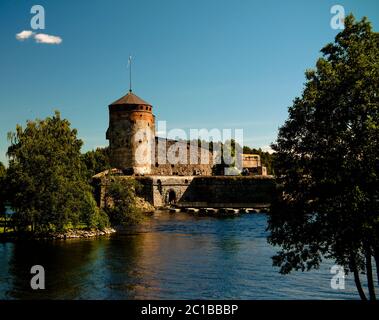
48, 181
2, 189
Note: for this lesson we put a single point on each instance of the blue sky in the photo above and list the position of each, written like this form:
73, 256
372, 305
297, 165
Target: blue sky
201, 64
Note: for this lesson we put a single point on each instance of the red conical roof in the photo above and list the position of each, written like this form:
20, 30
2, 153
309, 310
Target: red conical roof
130, 98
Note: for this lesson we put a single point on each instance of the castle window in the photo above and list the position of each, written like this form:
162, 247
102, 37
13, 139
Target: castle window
147, 108
156, 164
140, 141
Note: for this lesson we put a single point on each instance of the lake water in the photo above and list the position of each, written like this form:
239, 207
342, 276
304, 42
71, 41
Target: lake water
171, 256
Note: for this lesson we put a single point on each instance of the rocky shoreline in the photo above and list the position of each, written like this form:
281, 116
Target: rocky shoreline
75, 234
70, 234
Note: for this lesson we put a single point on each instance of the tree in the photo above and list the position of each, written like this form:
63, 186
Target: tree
327, 162
2, 193
46, 179
96, 161
121, 201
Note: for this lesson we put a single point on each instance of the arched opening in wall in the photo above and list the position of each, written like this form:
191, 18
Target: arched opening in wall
171, 197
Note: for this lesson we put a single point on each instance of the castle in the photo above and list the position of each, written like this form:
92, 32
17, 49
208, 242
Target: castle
135, 149
171, 171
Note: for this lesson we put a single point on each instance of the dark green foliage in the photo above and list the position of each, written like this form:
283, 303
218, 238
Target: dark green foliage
121, 202
2, 191
327, 162
96, 161
2, 188
2, 170
46, 179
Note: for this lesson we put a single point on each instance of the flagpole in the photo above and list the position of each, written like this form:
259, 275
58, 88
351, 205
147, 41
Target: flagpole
130, 73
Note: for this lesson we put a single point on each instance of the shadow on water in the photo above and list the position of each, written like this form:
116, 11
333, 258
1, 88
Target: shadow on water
170, 256
64, 264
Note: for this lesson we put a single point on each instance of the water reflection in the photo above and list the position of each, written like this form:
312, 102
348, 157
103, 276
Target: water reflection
64, 263
171, 256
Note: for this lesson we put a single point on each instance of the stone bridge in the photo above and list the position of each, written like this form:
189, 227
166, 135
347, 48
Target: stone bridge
208, 191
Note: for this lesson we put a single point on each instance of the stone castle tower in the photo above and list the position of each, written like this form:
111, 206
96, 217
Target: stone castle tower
131, 134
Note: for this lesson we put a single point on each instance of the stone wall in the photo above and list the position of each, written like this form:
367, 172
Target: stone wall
212, 191
180, 158
216, 191
169, 189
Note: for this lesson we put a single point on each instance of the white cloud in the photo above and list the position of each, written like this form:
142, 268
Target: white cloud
39, 37
46, 38
23, 35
